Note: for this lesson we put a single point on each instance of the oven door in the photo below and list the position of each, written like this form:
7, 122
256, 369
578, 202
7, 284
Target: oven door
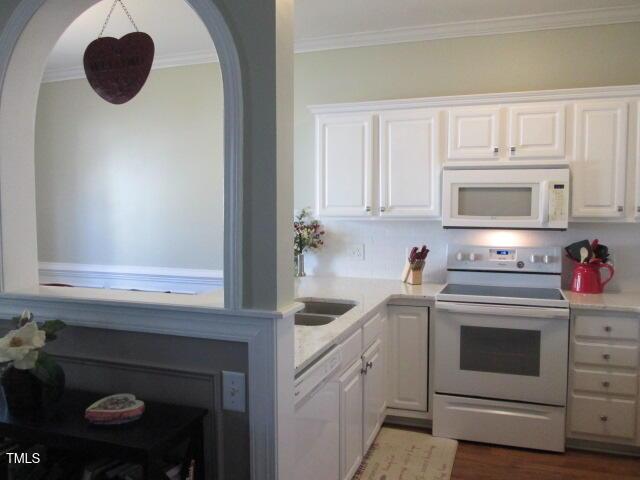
502, 352
526, 199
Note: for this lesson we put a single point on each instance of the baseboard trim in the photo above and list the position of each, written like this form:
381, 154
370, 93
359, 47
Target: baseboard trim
155, 279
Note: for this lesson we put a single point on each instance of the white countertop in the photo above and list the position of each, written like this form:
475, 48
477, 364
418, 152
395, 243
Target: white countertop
615, 302
369, 294
311, 342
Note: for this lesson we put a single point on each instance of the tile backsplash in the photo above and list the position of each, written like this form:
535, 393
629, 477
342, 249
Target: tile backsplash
385, 245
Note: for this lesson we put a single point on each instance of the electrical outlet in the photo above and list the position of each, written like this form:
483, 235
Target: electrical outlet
356, 251
233, 391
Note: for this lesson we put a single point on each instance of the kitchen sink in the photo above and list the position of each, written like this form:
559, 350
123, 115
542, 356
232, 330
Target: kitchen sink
313, 319
319, 312
326, 308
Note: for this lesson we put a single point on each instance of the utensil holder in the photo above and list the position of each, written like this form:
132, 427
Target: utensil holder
415, 277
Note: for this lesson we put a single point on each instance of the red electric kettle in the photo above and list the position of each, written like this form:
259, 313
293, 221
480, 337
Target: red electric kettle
586, 276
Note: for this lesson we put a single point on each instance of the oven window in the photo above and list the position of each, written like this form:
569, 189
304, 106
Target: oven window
495, 201
500, 350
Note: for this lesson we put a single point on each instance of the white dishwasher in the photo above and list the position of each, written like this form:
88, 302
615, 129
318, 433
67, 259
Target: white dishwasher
317, 417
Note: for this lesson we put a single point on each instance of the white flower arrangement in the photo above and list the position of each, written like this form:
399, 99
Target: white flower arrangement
20, 348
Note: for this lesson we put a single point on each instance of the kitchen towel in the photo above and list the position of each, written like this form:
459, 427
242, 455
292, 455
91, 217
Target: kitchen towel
398, 453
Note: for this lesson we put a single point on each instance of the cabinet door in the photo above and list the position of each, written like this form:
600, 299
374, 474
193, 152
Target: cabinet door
599, 167
474, 133
537, 131
408, 358
344, 164
374, 393
409, 163
351, 416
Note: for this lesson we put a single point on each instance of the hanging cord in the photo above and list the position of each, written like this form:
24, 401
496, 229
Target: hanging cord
106, 22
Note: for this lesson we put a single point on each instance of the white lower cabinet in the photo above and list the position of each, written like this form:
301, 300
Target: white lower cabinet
351, 420
362, 395
603, 378
374, 392
407, 358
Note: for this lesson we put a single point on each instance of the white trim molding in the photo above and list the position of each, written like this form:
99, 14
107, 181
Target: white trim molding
153, 279
161, 61
473, 28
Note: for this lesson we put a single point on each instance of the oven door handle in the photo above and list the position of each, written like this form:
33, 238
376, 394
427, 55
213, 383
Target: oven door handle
500, 310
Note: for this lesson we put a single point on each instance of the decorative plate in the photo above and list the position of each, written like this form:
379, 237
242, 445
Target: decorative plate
115, 409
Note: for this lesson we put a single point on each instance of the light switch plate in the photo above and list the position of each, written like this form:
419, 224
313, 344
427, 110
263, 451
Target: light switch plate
234, 392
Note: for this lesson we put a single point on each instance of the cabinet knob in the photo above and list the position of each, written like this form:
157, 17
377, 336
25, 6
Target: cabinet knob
607, 328
605, 384
496, 149
363, 371
383, 209
606, 356
620, 208
367, 209
603, 418
369, 365
513, 149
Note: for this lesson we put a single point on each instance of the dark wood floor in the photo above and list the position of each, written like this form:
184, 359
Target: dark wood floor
485, 462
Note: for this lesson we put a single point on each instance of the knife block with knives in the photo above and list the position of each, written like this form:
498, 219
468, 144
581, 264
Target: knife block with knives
412, 273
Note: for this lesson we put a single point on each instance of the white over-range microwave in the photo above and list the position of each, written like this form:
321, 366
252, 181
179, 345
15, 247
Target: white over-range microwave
532, 199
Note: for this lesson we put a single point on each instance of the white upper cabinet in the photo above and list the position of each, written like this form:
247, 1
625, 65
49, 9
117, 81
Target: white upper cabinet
409, 163
474, 133
536, 131
599, 166
344, 164
384, 160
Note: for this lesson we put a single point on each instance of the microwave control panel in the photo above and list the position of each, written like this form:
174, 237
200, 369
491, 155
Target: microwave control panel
558, 202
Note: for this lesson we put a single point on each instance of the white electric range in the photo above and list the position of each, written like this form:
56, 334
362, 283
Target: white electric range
501, 347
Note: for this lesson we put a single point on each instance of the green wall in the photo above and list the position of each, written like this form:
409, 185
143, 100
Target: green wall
135, 184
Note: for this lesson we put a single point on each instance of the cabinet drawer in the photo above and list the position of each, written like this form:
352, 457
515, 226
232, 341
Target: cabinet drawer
619, 328
351, 349
606, 355
504, 423
603, 382
372, 330
603, 416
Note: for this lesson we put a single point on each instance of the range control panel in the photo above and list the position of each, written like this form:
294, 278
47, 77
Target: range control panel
508, 259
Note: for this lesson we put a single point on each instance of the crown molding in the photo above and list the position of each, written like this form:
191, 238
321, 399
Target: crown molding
493, 26
160, 61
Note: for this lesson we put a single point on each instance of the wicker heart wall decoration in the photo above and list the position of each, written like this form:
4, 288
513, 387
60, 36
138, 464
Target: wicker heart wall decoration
117, 69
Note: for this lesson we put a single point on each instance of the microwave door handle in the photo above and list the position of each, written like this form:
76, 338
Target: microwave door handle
545, 202
497, 310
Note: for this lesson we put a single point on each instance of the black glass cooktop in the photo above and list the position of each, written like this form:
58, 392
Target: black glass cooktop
505, 292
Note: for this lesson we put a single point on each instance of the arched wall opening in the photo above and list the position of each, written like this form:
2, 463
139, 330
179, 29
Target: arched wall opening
26, 42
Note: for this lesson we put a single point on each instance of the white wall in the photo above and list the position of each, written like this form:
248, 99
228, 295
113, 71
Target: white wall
135, 184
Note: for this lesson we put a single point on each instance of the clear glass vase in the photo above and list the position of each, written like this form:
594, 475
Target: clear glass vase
299, 264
